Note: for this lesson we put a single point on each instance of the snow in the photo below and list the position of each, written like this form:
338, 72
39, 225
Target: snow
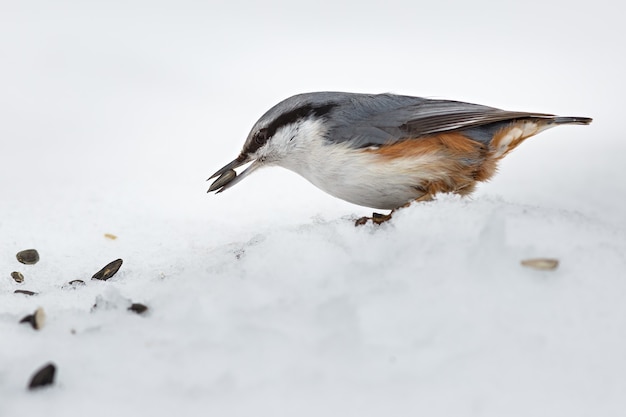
266, 300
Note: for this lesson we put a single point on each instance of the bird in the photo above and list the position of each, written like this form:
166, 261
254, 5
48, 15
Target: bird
384, 151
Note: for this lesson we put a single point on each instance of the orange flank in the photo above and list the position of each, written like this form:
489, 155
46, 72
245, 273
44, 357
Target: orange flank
446, 144
453, 162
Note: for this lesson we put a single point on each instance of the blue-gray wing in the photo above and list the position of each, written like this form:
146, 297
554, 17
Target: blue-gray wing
370, 120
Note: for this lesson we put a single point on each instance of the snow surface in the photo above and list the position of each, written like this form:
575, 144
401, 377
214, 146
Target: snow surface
266, 300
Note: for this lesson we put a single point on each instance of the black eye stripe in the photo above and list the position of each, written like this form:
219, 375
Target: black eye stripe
263, 135
259, 139
296, 114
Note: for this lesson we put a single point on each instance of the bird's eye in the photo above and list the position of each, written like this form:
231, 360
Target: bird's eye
261, 137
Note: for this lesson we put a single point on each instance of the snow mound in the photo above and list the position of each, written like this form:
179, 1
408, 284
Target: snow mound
431, 314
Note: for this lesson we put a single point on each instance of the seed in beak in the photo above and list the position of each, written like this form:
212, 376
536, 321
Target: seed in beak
223, 180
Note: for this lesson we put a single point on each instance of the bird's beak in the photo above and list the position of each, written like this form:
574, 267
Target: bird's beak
227, 177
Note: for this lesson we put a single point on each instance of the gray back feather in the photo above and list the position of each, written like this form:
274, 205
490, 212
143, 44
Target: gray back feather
370, 120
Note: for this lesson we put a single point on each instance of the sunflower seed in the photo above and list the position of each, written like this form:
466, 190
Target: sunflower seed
43, 377
223, 180
17, 276
138, 308
28, 256
25, 292
74, 284
40, 318
108, 271
37, 319
545, 264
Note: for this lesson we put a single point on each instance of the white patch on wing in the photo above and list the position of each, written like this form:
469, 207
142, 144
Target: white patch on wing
503, 145
529, 129
523, 130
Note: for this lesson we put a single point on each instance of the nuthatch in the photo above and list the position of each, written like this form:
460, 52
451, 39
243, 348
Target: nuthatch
385, 151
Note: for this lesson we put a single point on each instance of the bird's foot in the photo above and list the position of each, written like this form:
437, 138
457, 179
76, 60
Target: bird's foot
376, 218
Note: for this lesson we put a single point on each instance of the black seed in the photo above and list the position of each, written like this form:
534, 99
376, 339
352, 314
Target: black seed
43, 377
17, 276
138, 308
28, 256
108, 271
29, 319
36, 319
74, 284
25, 292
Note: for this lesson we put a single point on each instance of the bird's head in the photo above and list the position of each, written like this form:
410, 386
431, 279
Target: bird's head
277, 136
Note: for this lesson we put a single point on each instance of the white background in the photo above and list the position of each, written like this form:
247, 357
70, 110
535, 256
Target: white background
265, 299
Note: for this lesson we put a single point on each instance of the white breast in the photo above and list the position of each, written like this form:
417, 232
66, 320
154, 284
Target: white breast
359, 176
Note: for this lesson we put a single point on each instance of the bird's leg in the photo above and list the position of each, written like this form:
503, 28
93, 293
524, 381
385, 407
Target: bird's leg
378, 218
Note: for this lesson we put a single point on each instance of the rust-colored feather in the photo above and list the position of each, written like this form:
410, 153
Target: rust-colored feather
454, 162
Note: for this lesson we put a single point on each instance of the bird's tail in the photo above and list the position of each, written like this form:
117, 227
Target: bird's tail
572, 120
508, 138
